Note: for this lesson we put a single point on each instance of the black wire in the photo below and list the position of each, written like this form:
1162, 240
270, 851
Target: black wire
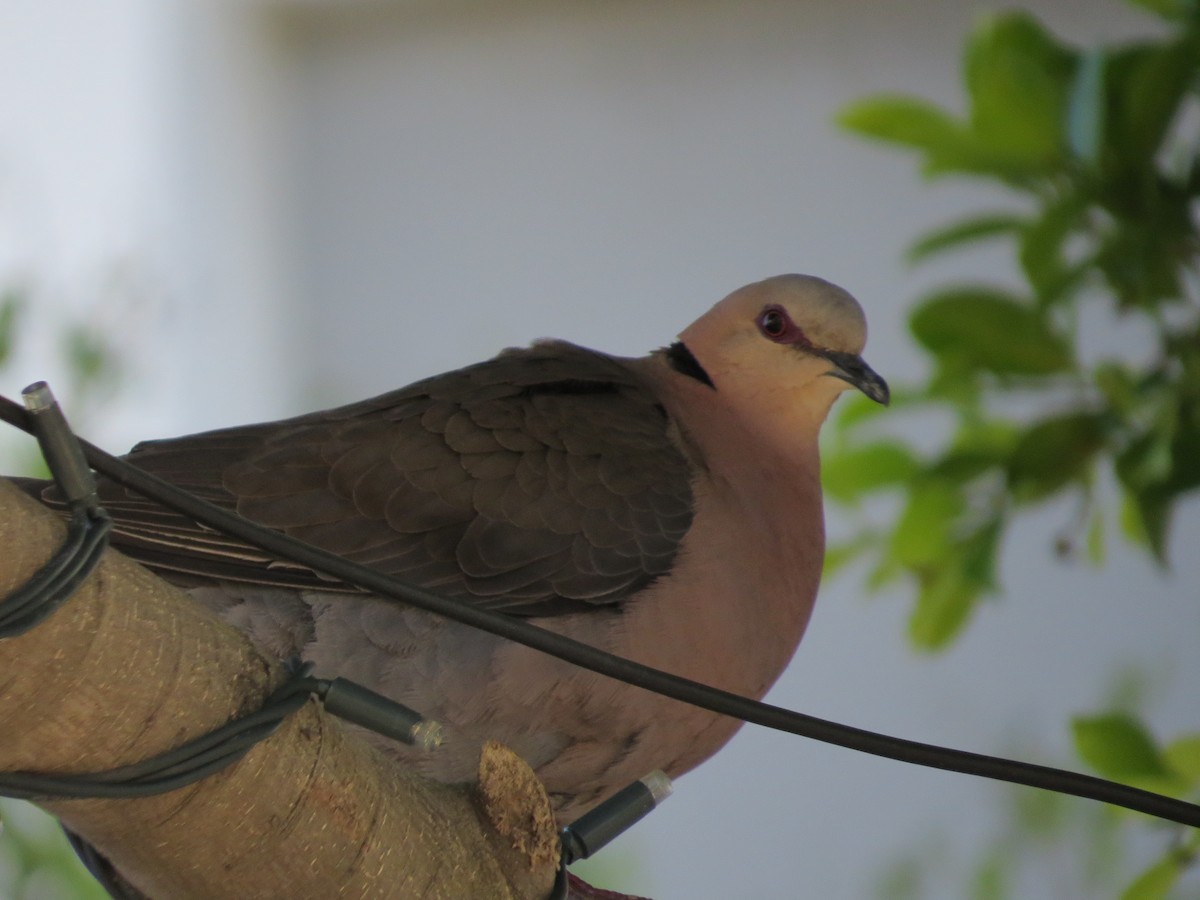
87, 531
588, 657
16, 615
179, 766
49, 587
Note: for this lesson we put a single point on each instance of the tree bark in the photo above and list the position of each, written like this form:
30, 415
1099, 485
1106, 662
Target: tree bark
130, 667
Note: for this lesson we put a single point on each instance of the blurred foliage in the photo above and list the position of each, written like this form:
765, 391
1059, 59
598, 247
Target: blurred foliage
1050, 844
1087, 145
82, 350
1119, 746
1047, 845
36, 862
11, 303
1095, 158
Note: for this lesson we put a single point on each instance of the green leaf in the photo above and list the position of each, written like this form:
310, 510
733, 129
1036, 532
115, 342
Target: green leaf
1146, 461
1086, 108
1131, 520
978, 447
1182, 755
1095, 539
993, 438
1041, 247
856, 409
1118, 747
87, 353
1155, 882
1185, 444
1168, 9
956, 384
950, 589
946, 144
1147, 85
842, 554
886, 571
11, 304
991, 880
1117, 384
1018, 78
918, 124
850, 473
1155, 510
944, 604
1040, 814
1142, 258
991, 330
922, 535
977, 554
963, 465
905, 120
1053, 452
1146, 518
966, 231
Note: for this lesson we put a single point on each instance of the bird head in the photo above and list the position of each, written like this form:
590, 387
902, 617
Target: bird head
789, 341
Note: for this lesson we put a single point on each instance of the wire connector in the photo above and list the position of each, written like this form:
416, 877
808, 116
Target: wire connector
599, 826
351, 701
60, 447
87, 531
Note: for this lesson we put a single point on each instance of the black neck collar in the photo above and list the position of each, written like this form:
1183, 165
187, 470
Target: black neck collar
682, 361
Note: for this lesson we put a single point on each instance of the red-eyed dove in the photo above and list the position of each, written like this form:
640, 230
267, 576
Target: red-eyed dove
665, 508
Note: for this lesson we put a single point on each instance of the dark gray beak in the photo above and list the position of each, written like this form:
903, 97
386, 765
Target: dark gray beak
852, 369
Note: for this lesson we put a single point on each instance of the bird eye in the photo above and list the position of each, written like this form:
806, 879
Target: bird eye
775, 324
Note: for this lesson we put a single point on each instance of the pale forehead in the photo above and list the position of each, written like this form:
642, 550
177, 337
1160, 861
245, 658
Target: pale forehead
827, 312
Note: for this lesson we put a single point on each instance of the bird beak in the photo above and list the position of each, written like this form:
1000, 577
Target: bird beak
850, 368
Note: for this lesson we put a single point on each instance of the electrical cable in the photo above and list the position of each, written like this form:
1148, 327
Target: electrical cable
175, 768
57, 580
87, 529
588, 657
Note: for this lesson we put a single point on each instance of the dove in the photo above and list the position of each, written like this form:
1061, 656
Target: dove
664, 508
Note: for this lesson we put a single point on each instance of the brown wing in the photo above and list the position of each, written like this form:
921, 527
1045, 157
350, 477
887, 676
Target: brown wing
537, 482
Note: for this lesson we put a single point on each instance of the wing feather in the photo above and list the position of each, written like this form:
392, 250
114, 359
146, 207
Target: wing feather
539, 482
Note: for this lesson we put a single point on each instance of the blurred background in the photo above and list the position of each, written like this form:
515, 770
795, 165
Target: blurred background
238, 211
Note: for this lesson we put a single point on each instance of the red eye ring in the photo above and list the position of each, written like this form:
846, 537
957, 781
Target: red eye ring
775, 324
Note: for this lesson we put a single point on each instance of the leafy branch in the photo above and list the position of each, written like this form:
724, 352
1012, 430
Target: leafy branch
1097, 199
1095, 158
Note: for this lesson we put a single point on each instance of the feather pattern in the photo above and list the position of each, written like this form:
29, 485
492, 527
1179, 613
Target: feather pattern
540, 482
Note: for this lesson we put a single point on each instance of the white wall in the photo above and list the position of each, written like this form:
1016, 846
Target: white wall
334, 199
139, 143
81, 173
602, 172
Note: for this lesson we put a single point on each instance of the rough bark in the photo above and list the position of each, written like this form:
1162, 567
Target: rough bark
129, 667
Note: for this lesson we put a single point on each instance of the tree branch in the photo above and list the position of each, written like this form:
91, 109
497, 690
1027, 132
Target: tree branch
130, 667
